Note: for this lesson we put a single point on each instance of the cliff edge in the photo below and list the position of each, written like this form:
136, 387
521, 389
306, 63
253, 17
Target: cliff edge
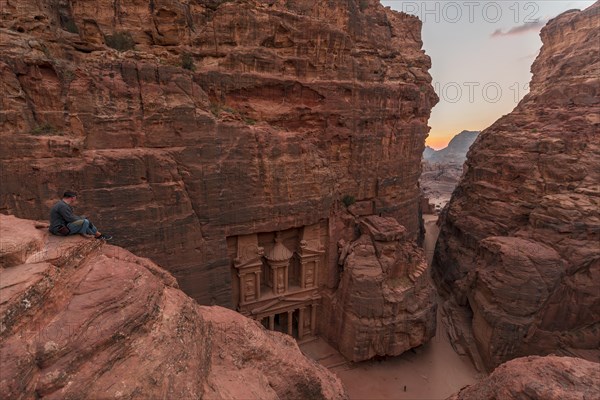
82, 319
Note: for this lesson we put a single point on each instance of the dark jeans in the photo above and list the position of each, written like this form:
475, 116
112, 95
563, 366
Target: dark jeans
81, 226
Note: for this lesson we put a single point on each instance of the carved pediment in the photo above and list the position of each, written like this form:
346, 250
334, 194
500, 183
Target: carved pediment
239, 264
249, 253
311, 238
284, 301
305, 250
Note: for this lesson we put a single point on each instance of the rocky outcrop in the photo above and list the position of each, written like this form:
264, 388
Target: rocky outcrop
385, 304
82, 319
184, 123
518, 255
538, 378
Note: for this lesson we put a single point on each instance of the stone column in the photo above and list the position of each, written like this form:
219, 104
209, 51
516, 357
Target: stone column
302, 273
242, 288
301, 323
274, 280
290, 315
313, 319
272, 322
285, 279
257, 280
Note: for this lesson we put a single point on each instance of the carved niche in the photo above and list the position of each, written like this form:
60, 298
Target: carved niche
278, 260
309, 256
248, 264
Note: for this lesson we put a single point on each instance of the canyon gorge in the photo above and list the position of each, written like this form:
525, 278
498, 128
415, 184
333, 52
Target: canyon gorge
518, 257
267, 155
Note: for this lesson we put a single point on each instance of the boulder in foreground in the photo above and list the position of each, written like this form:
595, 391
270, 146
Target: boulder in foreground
538, 378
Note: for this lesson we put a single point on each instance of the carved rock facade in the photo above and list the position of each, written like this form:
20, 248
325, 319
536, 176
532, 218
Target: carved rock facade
278, 286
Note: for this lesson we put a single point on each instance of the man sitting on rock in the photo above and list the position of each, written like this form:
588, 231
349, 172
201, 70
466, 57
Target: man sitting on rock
63, 222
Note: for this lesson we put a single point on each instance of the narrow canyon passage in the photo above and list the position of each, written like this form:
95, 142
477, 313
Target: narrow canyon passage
433, 371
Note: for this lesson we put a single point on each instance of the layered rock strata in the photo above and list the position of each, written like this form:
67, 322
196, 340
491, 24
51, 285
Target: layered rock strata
385, 304
213, 119
518, 256
82, 319
538, 378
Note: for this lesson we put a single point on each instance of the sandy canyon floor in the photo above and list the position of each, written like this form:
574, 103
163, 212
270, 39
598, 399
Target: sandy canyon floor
433, 371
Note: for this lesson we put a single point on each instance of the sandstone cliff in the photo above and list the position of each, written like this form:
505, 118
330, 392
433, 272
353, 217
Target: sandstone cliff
82, 319
538, 378
518, 255
213, 119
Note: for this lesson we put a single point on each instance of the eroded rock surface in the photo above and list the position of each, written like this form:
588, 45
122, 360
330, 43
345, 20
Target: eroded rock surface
385, 304
518, 255
82, 319
538, 378
217, 119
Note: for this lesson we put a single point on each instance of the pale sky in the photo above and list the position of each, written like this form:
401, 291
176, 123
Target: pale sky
482, 52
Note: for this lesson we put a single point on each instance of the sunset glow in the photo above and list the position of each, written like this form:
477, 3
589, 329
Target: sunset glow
438, 142
480, 60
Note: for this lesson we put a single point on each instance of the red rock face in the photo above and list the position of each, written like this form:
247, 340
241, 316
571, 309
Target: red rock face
82, 319
385, 304
538, 378
224, 119
518, 252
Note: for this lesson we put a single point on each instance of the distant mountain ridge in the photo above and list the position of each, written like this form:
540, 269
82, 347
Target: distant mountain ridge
455, 152
428, 152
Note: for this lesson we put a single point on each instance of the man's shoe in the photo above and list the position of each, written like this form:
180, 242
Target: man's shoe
104, 237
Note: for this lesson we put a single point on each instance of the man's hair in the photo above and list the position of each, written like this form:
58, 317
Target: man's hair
69, 194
